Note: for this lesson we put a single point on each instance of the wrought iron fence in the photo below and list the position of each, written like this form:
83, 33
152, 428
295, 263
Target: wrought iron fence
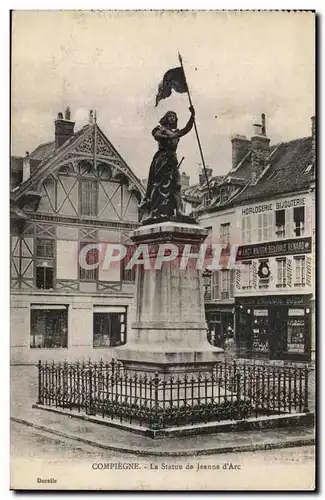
229, 391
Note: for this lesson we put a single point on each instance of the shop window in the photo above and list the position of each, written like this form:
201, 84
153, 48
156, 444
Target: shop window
246, 229
92, 257
247, 276
225, 284
44, 248
109, 327
260, 330
299, 220
44, 277
281, 273
280, 223
88, 197
49, 326
296, 331
225, 233
300, 271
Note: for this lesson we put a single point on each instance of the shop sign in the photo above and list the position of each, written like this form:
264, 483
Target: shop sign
274, 249
270, 300
278, 205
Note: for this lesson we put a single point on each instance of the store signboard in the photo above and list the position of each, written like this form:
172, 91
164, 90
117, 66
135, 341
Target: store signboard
296, 312
274, 249
278, 205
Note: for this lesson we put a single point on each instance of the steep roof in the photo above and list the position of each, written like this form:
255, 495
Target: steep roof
286, 172
43, 150
196, 191
52, 159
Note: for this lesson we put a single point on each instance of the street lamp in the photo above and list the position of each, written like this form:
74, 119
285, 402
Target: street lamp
206, 274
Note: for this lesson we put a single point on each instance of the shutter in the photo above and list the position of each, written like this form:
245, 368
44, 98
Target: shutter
238, 277
254, 274
232, 282
289, 271
215, 285
260, 226
289, 232
243, 235
308, 228
249, 229
271, 225
308, 271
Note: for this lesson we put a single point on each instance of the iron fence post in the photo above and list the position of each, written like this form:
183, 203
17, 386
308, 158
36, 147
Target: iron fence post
156, 424
39, 367
306, 408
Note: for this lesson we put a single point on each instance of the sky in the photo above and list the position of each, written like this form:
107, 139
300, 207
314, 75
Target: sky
238, 65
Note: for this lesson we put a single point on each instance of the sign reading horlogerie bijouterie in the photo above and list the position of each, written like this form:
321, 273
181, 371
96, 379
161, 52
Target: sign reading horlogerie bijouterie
278, 205
274, 248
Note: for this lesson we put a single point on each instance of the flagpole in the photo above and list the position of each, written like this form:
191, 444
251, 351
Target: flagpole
195, 128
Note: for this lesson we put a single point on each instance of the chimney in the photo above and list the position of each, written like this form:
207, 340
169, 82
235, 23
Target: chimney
185, 180
260, 147
240, 147
91, 117
64, 128
202, 176
313, 139
26, 167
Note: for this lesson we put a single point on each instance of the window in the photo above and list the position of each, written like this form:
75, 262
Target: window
49, 326
208, 240
296, 331
206, 199
246, 233
300, 271
128, 274
223, 195
280, 223
109, 327
299, 220
281, 273
44, 277
225, 284
225, 233
44, 248
247, 277
92, 257
215, 285
88, 197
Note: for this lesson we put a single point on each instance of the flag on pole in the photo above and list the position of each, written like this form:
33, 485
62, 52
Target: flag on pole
174, 79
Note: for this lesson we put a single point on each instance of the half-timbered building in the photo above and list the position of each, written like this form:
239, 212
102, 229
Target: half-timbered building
66, 194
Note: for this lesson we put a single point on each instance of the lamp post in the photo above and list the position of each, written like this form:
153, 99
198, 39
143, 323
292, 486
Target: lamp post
206, 274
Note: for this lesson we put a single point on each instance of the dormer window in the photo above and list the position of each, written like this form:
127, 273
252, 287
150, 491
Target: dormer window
206, 199
223, 195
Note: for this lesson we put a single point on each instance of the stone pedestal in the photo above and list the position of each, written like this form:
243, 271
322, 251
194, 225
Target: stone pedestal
169, 333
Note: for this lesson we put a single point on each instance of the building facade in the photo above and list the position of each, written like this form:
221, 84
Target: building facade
71, 192
265, 207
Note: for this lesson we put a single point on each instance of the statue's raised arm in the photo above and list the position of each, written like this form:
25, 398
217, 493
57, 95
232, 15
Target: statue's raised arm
163, 195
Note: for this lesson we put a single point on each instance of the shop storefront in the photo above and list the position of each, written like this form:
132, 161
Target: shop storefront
220, 321
274, 327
